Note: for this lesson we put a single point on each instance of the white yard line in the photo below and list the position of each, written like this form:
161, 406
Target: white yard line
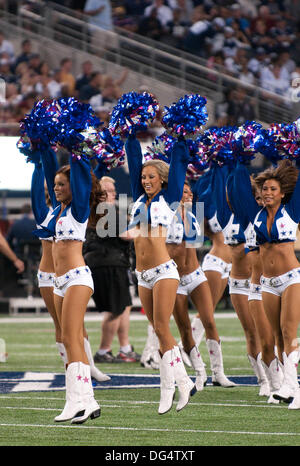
146, 429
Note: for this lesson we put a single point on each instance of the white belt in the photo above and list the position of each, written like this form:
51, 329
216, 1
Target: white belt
150, 274
186, 279
281, 279
59, 282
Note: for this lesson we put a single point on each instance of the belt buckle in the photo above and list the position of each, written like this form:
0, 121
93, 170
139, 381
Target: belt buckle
273, 281
144, 277
55, 282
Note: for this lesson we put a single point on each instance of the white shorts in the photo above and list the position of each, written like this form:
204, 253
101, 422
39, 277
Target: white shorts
190, 281
148, 278
79, 276
238, 286
277, 285
254, 292
45, 279
214, 263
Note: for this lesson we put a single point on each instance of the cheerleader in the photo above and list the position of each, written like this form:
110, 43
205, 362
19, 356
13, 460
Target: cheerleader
42, 202
217, 262
182, 240
264, 330
73, 284
240, 275
275, 226
157, 274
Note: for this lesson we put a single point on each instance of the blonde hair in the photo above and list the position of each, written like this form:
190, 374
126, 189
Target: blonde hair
162, 169
107, 178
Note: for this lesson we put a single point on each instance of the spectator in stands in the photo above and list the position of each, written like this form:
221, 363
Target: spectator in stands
216, 42
13, 97
240, 108
35, 62
261, 38
150, 26
26, 52
164, 13
238, 16
84, 78
283, 35
233, 63
99, 13
199, 31
7, 47
276, 79
92, 88
245, 75
6, 250
49, 82
122, 20
259, 62
176, 30
5, 69
66, 77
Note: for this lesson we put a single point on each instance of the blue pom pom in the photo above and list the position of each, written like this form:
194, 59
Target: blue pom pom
133, 112
186, 117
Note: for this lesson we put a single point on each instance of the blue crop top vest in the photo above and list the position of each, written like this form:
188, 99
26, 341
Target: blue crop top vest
72, 223
287, 217
162, 207
202, 192
190, 233
232, 230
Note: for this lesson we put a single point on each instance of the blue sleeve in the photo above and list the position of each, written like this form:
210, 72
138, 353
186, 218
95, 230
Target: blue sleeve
135, 163
180, 158
203, 193
100, 170
38, 201
50, 165
293, 206
219, 178
240, 195
81, 185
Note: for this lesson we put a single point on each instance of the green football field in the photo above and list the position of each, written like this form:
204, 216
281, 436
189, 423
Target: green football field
32, 394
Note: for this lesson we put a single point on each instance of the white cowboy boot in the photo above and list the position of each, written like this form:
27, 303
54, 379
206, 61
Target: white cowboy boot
261, 376
290, 380
274, 375
91, 407
197, 330
216, 365
295, 404
186, 386
167, 382
150, 356
198, 365
95, 372
74, 399
184, 355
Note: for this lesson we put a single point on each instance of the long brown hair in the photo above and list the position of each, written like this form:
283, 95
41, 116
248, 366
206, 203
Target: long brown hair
286, 174
97, 195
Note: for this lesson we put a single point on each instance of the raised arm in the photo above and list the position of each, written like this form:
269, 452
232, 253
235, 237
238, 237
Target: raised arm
293, 206
81, 185
219, 178
38, 200
241, 196
50, 166
135, 163
179, 161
